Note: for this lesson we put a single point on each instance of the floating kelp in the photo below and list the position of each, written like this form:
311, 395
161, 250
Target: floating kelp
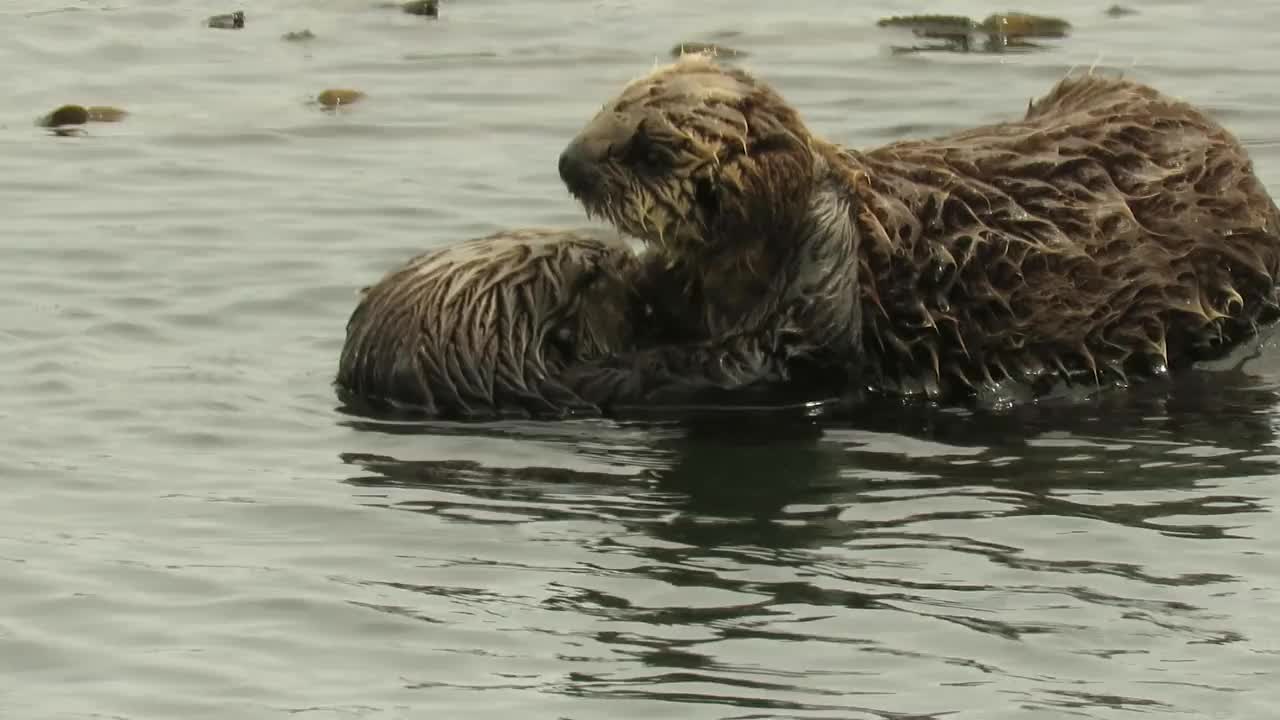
79, 115
298, 36
426, 8
230, 21
430, 8
926, 23
997, 33
1120, 11
339, 97
65, 115
1025, 25
105, 113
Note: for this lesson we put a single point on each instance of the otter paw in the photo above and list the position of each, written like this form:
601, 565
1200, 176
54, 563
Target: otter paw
558, 402
690, 393
602, 386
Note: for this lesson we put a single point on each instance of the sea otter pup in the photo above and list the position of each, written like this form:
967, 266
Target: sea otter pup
481, 328
1109, 231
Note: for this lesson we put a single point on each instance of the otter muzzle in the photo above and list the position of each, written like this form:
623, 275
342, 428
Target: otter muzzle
577, 168
582, 162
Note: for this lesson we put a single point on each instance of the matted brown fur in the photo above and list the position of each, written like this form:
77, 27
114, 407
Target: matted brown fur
1112, 229
481, 328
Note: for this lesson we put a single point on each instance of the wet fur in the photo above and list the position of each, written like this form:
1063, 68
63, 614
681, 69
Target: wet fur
1112, 230
481, 328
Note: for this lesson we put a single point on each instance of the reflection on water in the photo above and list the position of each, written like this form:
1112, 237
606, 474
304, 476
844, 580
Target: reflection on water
1017, 560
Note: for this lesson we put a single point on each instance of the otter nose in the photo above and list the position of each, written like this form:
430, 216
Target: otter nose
576, 167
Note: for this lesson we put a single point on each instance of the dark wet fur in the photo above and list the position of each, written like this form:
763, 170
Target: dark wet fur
480, 329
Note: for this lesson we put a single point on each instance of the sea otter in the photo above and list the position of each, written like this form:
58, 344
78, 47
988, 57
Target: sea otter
480, 329
1112, 230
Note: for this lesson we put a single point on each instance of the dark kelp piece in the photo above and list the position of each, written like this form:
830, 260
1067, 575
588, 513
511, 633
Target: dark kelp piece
339, 97
1116, 11
106, 113
997, 33
230, 21
65, 115
428, 8
1025, 25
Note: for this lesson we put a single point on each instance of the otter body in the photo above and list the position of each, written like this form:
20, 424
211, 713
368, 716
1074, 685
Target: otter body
1110, 231
481, 328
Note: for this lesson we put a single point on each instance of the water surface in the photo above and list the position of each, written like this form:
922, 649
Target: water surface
190, 528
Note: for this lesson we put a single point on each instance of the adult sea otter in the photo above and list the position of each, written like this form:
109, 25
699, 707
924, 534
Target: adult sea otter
1110, 231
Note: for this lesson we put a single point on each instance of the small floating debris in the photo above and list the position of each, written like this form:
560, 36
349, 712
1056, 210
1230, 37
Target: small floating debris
997, 33
706, 48
1120, 11
338, 97
79, 115
298, 36
65, 115
1025, 25
105, 113
917, 22
429, 8
230, 21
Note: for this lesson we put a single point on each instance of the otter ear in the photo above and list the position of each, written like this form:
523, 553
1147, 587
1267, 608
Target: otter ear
640, 150
764, 189
707, 196
586, 277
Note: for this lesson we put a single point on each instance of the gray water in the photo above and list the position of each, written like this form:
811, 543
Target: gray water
190, 528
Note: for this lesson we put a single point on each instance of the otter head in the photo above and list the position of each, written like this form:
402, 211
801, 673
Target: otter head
692, 154
483, 327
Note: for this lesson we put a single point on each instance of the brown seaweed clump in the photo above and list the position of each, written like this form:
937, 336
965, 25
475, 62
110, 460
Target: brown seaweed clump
429, 8
425, 8
339, 97
926, 23
997, 33
106, 113
65, 115
79, 115
1021, 24
1110, 231
1025, 25
482, 328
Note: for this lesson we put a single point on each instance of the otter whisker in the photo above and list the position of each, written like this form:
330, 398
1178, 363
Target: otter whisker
1097, 59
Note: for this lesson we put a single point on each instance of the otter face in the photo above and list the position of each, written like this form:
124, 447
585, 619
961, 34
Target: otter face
690, 149
483, 327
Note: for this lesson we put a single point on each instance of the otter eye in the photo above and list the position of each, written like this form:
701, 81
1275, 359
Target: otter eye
704, 193
587, 278
643, 151
562, 339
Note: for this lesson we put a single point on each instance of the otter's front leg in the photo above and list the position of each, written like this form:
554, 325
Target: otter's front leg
686, 373
762, 364
796, 329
